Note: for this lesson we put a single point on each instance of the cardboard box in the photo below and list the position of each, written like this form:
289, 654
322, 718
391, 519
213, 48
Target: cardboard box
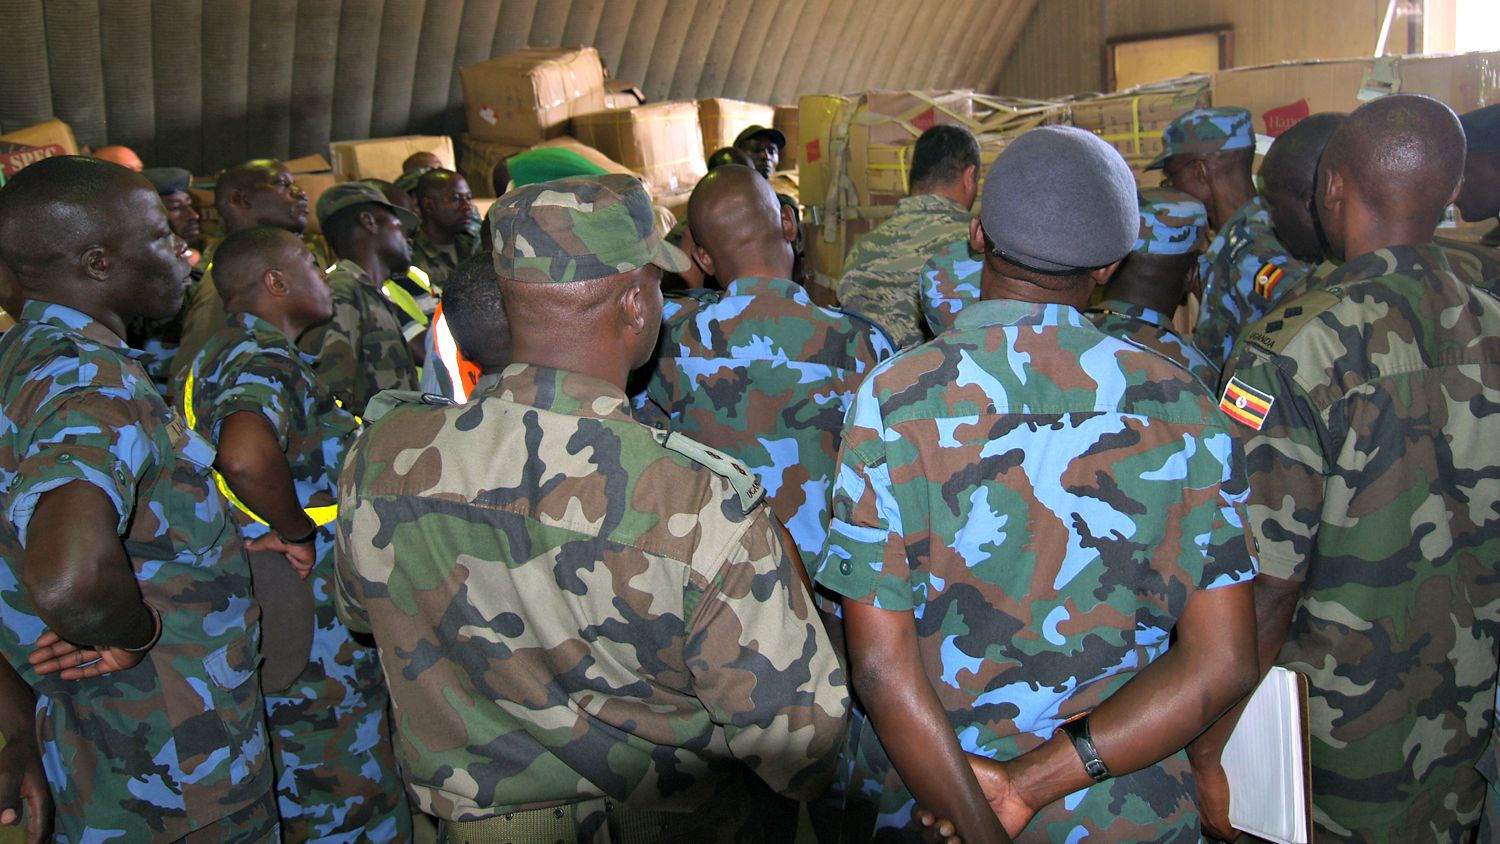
675, 204
724, 119
609, 165
621, 94
380, 158
308, 164
477, 160
313, 184
1133, 121
34, 143
785, 120
529, 96
662, 142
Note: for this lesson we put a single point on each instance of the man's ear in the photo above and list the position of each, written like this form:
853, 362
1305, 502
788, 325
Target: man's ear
95, 262
275, 283
704, 260
1102, 275
1331, 189
367, 222
971, 178
633, 306
788, 223
976, 236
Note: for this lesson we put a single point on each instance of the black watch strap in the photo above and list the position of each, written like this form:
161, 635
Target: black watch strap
1083, 742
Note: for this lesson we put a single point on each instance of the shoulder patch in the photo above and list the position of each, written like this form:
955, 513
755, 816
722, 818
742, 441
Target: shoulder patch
745, 484
1245, 404
1278, 327
1266, 279
386, 401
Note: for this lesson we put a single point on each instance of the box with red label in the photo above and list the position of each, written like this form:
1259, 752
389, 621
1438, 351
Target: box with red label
33, 143
526, 97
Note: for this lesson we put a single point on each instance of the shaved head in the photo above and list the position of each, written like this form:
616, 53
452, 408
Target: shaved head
122, 155
1290, 173
729, 155
241, 261
737, 225
1405, 152
58, 207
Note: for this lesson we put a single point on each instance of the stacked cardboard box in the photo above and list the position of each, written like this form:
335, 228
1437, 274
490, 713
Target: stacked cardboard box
662, 142
477, 160
724, 119
786, 121
1133, 121
621, 94
381, 158
33, 143
526, 97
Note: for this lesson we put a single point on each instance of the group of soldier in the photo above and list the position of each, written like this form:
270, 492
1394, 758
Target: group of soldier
476, 525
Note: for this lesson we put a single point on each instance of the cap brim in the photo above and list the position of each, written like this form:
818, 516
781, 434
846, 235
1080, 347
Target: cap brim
409, 221
1160, 161
672, 259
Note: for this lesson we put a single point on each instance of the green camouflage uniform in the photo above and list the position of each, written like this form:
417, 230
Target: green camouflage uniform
438, 262
764, 375
203, 308
1370, 402
950, 280
1245, 272
336, 776
596, 612
1045, 554
880, 278
178, 742
362, 350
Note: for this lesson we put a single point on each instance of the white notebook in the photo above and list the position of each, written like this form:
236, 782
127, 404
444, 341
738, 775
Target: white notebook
1266, 760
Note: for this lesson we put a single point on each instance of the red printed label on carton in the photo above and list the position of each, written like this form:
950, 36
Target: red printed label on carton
926, 120
12, 162
1282, 118
814, 150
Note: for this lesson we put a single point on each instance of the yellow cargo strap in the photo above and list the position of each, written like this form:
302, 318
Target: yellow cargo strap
403, 299
320, 515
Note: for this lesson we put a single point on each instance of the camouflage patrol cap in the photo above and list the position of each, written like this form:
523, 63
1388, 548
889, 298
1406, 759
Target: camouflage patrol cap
578, 229
1172, 223
1205, 130
349, 194
168, 180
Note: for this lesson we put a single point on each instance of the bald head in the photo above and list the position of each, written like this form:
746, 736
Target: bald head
1290, 174
57, 208
729, 155
121, 155
260, 192
1388, 174
242, 260
737, 225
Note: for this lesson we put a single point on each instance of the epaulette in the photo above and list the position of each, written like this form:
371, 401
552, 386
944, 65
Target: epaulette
1279, 326
386, 401
746, 485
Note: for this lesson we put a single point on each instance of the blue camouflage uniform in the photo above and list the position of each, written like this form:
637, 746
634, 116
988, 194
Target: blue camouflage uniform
335, 767
177, 743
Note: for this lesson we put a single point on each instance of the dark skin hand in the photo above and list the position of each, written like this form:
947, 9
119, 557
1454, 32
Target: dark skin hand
22, 778
1209, 668
1275, 602
892, 685
80, 581
255, 467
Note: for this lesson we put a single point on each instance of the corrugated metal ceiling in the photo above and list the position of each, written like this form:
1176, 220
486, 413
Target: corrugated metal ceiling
206, 83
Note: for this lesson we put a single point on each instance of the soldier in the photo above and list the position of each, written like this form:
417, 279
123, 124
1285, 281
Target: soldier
257, 193
123, 568
758, 371
471, 332
448, 214
367, 347
598, 627
1012, 555
281, 440
172, 184
950, 280
1208, 154
1139, 301
1290, 177
764, 146
1480, 198
881, 275
1362, 401
158, 339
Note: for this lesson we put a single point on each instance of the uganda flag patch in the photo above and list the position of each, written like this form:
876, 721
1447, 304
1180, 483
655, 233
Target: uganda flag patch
1266, 279
1245, 404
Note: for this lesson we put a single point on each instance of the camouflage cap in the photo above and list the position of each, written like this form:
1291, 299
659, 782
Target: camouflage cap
168, 180
1205, 130
1172, 223
578, 229
349, 194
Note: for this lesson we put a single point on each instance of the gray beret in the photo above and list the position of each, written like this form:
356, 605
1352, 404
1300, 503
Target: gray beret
1482, 128
1059, 199
168, 180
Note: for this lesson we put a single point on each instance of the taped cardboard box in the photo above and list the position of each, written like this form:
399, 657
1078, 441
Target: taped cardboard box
477, 160
33, 143
313, 184
528, 96
621, 94
381, 158
1133, 121
662, 142
785, 121
724, 119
